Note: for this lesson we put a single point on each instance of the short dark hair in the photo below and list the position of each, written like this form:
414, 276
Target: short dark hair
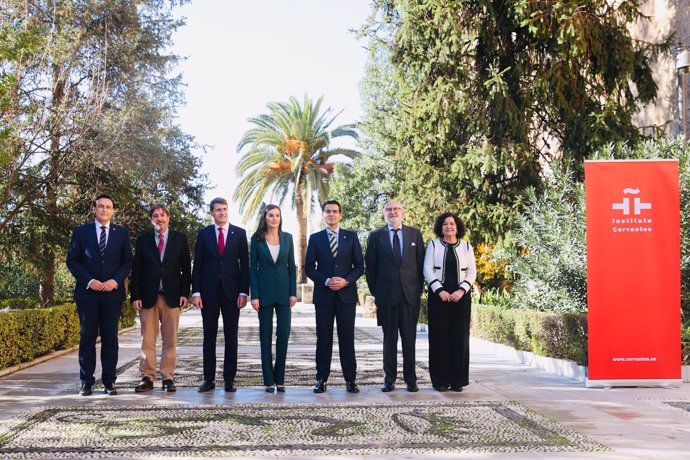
218, 200
103, 195
156, 207
438, 225
335, 202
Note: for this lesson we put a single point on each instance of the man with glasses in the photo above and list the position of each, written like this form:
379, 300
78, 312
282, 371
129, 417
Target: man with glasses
394, 263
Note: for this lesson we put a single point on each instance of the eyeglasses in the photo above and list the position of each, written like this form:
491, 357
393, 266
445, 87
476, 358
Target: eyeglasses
393, 209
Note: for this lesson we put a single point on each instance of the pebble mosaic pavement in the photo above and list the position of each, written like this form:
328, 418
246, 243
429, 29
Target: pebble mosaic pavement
241, 430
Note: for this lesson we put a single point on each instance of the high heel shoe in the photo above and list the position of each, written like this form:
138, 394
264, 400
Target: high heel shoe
270, 389
280, 388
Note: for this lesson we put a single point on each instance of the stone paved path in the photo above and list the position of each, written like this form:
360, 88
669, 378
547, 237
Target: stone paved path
508, 411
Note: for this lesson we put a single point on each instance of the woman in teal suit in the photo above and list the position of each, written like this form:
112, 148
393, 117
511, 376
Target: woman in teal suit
273, 283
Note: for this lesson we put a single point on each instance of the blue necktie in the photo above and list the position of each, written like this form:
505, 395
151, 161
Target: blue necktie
397, 251
101, 241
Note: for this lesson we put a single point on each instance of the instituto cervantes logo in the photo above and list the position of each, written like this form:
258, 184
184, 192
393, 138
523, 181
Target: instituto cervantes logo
631, 215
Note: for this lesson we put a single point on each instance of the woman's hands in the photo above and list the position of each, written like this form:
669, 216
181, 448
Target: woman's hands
454, 297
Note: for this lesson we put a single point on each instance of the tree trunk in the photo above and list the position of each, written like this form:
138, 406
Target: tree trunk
300, 207
47, 262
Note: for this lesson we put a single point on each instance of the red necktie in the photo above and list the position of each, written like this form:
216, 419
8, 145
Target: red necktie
221, 241
161, 243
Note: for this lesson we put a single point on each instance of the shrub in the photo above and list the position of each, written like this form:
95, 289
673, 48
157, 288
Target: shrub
18, 303
30, 333
550, 266
556, 335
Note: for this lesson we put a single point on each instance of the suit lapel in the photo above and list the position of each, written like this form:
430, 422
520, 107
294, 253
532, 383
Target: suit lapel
168, 245
386, 243
112, 236
214, 239
409, 242
343, 243
263, 246
283, 247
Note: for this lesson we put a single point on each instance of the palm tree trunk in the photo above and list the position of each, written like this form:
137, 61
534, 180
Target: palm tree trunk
300, 207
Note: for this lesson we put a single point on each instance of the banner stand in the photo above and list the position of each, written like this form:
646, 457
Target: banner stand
664, 383
633, 273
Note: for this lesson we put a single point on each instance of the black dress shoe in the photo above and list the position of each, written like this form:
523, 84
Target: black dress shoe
230, 387
280, 389
86, 389
145, 385
109, 389
441, 388
207, 385
412, 387
387, 387
320, 386
457, 389
351, 387
270, 390
169, 386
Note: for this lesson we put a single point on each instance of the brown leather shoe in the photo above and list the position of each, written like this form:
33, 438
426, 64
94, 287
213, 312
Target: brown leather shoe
145, 385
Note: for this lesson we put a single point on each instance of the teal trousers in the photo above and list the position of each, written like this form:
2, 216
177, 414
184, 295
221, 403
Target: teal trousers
274, 373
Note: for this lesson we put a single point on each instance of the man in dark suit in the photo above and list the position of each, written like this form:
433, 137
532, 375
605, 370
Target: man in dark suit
100, 259
161, 276
334, 262
220, 283
394, 265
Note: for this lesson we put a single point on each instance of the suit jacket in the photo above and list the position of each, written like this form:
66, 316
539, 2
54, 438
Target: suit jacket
320, 265
210, 268
85, 262
389, 280
174, 271
272, 282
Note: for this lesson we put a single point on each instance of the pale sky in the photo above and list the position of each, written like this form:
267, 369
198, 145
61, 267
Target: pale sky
243, 54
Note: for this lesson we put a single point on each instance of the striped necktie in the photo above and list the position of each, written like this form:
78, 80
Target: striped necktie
333, 243
101, 241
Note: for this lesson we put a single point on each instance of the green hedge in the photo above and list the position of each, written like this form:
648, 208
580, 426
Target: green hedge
556, 335
18, 303
31, 333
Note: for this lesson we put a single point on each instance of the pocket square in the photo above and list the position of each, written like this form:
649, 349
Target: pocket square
413, 244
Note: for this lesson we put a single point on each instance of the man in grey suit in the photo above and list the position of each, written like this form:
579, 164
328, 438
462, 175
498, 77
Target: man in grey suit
394, 262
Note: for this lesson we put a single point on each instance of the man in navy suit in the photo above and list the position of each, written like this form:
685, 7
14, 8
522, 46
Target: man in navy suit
161, 276
395, 260
334, 262
100, 258
220, 283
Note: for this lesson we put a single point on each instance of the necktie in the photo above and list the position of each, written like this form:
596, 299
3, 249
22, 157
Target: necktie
397, 252
161, 243
101, 241
221, 241
334, 244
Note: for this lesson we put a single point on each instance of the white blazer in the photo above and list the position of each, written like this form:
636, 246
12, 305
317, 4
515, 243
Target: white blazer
435, 261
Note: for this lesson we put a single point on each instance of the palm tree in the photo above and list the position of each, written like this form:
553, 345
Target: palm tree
290, 156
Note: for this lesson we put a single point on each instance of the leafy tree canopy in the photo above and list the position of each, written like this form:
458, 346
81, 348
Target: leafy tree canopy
481, 95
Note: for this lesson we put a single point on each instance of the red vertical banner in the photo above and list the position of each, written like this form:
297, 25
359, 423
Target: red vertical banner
633, 272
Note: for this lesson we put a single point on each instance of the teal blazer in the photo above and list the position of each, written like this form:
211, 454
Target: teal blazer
272, 282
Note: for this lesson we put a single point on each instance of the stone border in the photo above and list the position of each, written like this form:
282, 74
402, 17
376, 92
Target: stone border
562, 367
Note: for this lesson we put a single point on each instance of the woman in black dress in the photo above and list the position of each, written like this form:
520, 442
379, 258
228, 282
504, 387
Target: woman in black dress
450, 270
